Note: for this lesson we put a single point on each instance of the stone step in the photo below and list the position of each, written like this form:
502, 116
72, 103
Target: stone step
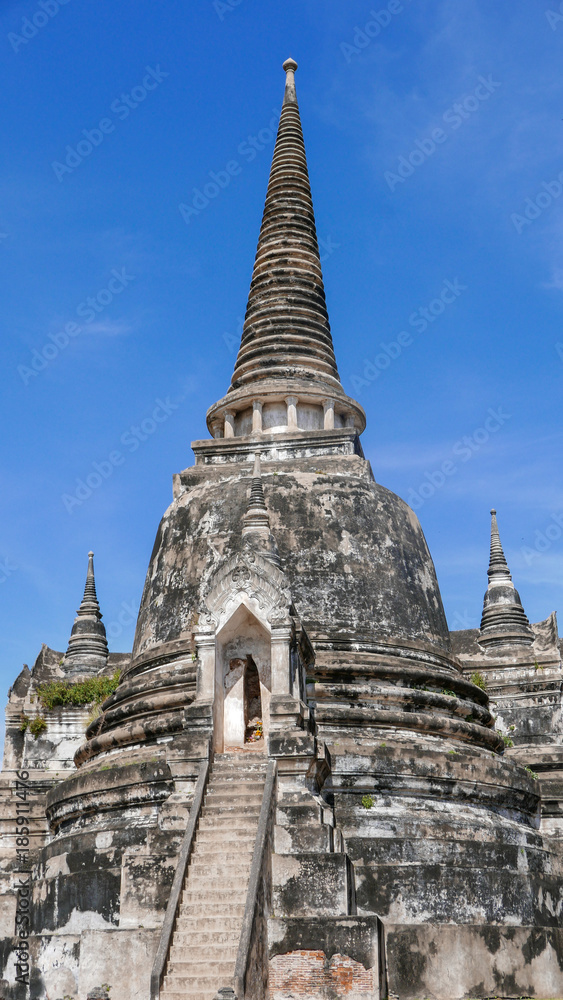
200, 932
214, 943
232, 893
228, 837
202, 908
197, 993
235, 802
247, 813
216, 849
201, 969
218, 926
236, 780
209, 860
207, 980
206, 944
238, 774
211, 820
239, 797
204, 874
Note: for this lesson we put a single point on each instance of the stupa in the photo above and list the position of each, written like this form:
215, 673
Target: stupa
298, 787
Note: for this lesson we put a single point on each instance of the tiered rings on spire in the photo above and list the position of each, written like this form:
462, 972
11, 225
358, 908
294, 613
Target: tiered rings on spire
286, 330
87, 651
504, 619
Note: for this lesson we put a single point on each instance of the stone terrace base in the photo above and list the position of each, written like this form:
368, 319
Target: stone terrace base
72, 964
448, 962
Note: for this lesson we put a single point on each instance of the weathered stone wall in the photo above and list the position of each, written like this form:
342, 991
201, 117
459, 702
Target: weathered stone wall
525, 685
44, 761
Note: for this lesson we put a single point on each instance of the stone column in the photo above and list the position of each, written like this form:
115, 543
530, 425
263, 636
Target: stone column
291, 402
328, 406
257, 417
280, 648
229, 424
217, 429
205, 641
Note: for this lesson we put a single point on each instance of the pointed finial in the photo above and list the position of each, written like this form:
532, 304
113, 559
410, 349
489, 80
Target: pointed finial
290, 96
504, 620
87, 647
498, 566
256, 520
256, 516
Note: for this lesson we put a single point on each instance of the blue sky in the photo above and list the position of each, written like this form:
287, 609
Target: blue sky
445, 297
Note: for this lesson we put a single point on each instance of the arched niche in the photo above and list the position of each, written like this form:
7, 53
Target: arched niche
243, 649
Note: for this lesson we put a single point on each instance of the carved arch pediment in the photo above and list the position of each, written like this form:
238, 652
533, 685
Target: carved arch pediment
248, 577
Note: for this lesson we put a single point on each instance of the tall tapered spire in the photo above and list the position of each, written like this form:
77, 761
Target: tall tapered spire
504, 620
286, 330
286, 379
87, 651
498, 566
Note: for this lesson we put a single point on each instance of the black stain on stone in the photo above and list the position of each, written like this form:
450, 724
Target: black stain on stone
534, 945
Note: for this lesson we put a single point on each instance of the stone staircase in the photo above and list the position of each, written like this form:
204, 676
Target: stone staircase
205, 941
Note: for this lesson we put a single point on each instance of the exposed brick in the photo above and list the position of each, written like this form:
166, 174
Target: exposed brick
308, 974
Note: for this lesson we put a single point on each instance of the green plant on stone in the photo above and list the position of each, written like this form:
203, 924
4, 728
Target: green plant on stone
534, 774
24, 722
367, 802
94, 714
506, 739
37, 726
479, 681
537, 666
93, 690
449, 692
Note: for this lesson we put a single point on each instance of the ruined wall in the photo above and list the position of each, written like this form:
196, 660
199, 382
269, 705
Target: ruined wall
36, 758
525, 685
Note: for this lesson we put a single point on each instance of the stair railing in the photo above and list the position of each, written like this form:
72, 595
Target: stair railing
167, 931
253, 946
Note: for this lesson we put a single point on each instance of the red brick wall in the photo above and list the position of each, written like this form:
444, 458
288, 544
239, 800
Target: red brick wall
307, 974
